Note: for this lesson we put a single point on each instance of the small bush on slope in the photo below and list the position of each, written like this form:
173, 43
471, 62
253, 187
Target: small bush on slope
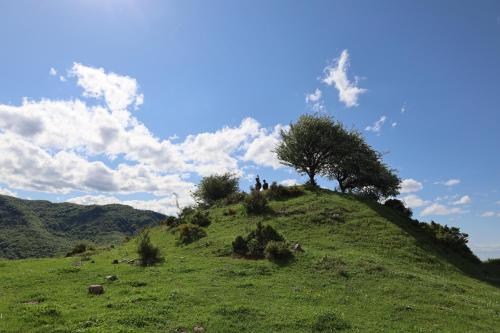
256, 203
277, 251
399, 206
189, 233
279, 192
216, 187
148, 253
254, 244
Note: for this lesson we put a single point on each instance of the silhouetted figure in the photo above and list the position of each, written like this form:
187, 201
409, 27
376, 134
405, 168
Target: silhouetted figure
265, 185
258, 185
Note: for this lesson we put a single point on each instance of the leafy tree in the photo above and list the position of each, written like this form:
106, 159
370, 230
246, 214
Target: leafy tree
148, 253
216, 187
309, 144
359, 168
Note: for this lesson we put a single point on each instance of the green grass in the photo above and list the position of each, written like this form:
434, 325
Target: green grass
365, 271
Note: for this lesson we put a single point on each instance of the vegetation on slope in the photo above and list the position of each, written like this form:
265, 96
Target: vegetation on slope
41, 228
365, 268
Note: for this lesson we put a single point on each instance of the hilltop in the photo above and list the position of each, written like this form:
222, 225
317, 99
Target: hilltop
34, 228
364, 269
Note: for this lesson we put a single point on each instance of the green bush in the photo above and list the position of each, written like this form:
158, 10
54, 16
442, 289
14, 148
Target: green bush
216, 187
240, 246
277, 251
329, 322
279, 192
254, 244
189, 233
78, 249
256, 203
399, 206
148, 253
234, 198
199, 218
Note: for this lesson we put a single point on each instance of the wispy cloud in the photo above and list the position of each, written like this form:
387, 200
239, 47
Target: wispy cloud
336, 74
450, 182
376, 127
52, 71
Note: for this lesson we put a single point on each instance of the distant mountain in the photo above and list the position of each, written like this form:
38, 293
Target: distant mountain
34, 228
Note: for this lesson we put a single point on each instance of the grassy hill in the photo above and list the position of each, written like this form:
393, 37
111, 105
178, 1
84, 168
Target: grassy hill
364, 268
41, 228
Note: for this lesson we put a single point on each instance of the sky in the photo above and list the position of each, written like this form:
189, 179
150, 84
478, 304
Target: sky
130, 101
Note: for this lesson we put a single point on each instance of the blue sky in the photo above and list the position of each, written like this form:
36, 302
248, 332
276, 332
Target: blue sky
187, 88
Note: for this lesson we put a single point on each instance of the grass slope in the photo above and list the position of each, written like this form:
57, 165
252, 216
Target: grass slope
364, 272
41, 228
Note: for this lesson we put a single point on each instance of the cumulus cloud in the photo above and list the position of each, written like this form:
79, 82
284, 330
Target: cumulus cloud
52, 71
463, 200
336, 74
118, 91
410, 185
413, 201
61, 146
438, 209
394, 124
377, 126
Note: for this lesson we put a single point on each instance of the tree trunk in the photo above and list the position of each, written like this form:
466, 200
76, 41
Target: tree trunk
312, 182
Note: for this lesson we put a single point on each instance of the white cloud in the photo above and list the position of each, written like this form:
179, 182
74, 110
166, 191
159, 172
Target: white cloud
450, 182
118, 91
62, 78
313, 97
52, 71
6, 191
337, 74
463, 200
413, 201
289, 182
488, 214
394, 124
165, 205
403, 109
438, 209
60, 146
377, 126
410, 185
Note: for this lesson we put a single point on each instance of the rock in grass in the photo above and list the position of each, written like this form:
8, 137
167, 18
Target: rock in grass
111, 277
115, 261
297, 247
198, 329
96, 289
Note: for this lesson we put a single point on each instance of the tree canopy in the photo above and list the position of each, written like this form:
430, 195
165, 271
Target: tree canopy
318, 145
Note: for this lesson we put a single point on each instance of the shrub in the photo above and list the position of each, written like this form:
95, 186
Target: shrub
329, 322
229, 212
78, 249
199, 218
234, 198
240, 246
170, 221
189, 233
277, 191
254, 244
148, 253
277, 251
399, 206
256, 203
216, 187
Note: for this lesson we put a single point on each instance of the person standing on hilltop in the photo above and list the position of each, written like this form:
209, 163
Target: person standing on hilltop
265, 185
258, 185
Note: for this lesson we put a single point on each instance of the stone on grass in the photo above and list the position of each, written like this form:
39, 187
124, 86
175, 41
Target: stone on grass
96, 289
111, 277
297, 247
198, 329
